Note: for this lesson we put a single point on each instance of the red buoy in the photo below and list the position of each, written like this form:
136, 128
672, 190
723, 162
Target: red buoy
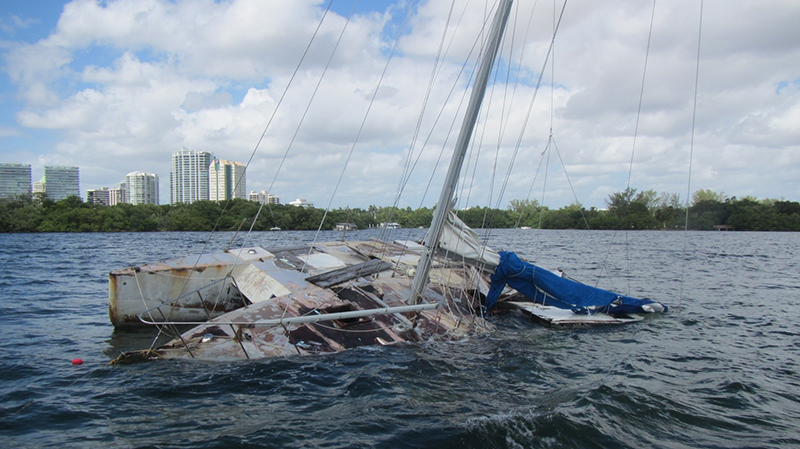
77, 362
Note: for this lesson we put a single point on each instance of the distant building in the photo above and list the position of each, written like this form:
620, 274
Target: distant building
142, 188
15, 179
98, 196
118, 195
301, 202
61, 182
38, 187
263, 197
226, 180
188, 180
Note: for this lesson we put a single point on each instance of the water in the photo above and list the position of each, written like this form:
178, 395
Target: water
723, 372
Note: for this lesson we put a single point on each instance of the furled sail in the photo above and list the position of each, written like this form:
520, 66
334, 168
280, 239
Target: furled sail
543, 286
460, 240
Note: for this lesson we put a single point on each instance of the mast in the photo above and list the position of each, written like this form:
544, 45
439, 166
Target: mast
422, 276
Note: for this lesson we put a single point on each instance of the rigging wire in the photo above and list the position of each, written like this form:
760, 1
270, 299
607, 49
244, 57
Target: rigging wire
530, 190
691, 155
569, 181
275, 111
517, 75
252, 155
355, 140
453, 123
407, 165
297, 130
636, 135
407, 173
505, 112
476, 141
604, 265
476, 144
529, 112
366, 116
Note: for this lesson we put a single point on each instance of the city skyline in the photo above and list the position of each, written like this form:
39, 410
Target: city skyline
137, 187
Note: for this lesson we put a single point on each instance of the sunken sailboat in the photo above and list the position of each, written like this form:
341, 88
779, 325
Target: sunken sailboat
258, 302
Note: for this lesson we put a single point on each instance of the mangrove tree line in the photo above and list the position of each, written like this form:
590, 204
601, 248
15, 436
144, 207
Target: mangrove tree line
629, 209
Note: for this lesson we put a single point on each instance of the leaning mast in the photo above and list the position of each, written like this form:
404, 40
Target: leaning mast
422, 276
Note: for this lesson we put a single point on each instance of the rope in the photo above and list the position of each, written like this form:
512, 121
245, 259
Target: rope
360, 130
161, 329
407, 167
275, 112
453, 123
530, 105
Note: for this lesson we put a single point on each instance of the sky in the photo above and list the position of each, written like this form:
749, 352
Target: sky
117, 86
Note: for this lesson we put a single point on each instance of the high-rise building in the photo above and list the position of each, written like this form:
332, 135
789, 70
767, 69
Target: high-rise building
263, 197
61, 182
188, 180
226, 180
15, 179
99, 196
118, 195
142, 188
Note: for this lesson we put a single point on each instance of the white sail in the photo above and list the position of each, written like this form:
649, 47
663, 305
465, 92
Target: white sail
458, 239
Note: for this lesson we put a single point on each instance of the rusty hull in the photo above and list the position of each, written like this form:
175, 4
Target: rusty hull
132, 291
241, 334
238, 334
192, 289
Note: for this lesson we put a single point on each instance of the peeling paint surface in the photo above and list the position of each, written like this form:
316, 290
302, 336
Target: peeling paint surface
276, 289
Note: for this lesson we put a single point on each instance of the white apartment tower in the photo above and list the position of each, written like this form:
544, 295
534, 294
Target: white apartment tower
226, 180
118, 195
188, 180
142, 188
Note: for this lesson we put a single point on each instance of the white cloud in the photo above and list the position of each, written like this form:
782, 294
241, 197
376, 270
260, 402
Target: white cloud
135, 80
8, 132
13, 23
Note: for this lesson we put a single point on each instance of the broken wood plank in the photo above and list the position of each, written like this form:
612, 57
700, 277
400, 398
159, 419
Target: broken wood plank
340, 275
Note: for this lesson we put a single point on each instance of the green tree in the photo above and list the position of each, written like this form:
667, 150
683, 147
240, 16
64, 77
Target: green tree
69, 215
619, 202
749, 215
568, 217
20, 214
649, 198
708, 195
527, 212
632, 210
704, 215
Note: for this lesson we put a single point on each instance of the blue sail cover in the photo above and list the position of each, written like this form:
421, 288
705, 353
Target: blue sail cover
534, 282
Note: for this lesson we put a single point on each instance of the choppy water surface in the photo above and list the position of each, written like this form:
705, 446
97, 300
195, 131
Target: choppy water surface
720, 370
